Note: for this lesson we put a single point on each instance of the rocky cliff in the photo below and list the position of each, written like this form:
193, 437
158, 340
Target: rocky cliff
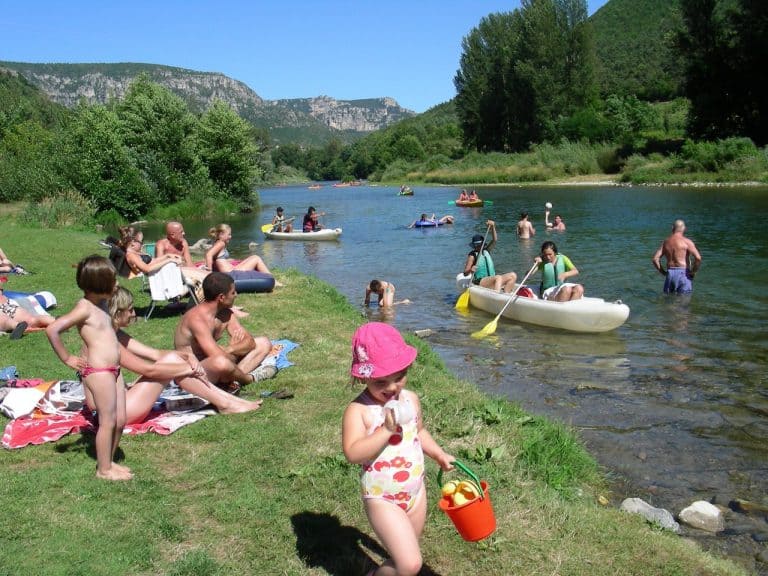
303, 120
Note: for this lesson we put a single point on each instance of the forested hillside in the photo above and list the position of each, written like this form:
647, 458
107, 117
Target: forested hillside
633, 42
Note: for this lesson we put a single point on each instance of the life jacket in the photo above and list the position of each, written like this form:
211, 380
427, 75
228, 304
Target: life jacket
550, 273
484, 265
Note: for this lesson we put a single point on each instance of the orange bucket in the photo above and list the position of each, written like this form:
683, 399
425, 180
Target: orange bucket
474, 520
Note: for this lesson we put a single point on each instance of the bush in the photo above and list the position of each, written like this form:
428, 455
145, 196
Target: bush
62, 210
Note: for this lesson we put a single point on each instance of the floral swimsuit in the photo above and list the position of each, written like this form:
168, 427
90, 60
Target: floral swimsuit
397, 473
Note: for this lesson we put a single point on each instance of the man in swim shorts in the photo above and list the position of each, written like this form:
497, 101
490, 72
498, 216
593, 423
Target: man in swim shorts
682, 258
201, 328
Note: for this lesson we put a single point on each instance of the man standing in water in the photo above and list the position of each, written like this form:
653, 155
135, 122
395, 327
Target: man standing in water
683, 261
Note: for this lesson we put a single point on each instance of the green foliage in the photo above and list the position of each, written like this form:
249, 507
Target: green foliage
553, 455
21, 102
226, 148
27, 169
715, 156
723, 43
61, 210
96, 161
160, 131
520, 71
633, 42
196, 206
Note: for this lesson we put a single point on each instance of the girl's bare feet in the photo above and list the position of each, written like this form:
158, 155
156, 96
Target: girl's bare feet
114, 474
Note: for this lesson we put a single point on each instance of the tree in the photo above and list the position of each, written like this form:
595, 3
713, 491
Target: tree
520, 71
160, 130
226, 148
98, 164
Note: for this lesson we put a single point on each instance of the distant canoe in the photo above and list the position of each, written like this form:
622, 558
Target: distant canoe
314, 187
405, 192
469, 203
324, 234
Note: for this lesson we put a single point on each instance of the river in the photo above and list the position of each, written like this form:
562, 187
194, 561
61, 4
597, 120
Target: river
674, 403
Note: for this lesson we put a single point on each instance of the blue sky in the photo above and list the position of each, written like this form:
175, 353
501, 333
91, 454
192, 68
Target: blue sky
406, 49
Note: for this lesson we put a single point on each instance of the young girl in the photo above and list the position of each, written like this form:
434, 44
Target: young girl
383, 431
98, 365
385, 291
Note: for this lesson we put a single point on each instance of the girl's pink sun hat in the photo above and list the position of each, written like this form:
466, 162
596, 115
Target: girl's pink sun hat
379, 350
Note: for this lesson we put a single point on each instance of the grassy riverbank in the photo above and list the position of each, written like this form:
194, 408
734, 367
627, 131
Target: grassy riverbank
270, 493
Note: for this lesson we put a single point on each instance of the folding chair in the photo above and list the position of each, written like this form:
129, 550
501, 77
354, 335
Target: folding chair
167, 284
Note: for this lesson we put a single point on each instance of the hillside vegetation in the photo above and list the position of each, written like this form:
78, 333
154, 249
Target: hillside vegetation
633, 42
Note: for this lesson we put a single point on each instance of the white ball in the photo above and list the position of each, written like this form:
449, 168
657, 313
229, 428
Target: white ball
548, 205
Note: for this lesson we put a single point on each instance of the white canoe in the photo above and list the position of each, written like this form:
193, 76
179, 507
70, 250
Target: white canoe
583, 315
324, 234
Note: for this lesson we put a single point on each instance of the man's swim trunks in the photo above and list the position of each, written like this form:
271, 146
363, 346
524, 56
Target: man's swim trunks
677, 282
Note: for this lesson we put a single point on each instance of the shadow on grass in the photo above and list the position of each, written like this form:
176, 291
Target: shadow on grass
322, 542
84, 443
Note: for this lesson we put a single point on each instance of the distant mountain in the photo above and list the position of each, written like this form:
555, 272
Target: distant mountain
633, 44
302, 121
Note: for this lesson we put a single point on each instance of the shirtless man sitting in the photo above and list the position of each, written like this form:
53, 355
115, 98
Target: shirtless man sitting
201, 328
525, 228
175, 243
683, 261
14, 319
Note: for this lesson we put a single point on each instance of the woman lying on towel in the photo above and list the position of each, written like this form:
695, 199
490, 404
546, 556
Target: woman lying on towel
158, 367
14, 319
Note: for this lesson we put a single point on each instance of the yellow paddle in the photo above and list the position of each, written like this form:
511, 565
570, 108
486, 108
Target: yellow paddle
490, 328
268, 227
463, 302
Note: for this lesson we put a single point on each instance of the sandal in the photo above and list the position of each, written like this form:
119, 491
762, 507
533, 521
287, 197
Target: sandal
231, 387
18, 331
279, 394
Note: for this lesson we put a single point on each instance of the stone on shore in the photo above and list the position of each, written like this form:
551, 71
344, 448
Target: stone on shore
704, 516
659, 516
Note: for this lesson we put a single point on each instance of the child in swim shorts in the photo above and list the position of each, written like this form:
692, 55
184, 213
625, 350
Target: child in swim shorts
384, 433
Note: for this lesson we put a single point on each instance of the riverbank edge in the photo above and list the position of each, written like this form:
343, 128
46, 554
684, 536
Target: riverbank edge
293, 448
586, 180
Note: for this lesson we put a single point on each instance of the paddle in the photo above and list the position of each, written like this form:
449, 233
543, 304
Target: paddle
463, 302
269, 227
490, 328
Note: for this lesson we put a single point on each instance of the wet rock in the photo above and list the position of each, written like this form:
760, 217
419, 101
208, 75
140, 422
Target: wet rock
425, 333
760, 536
748, 507
658, 516
704, 516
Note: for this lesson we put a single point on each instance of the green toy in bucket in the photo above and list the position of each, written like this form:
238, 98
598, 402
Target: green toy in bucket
473, 518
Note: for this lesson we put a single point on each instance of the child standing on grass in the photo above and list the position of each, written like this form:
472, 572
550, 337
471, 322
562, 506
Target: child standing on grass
383, 431
99, 365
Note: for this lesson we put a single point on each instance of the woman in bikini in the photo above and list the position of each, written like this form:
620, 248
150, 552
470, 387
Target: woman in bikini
156, 368
132, 242
217, 258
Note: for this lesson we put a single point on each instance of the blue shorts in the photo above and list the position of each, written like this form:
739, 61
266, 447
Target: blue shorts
678, 282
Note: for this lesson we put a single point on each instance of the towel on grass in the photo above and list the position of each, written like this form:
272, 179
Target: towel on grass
44, 413
38, 427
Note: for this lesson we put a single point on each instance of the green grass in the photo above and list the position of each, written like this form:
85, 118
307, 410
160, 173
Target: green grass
269, 492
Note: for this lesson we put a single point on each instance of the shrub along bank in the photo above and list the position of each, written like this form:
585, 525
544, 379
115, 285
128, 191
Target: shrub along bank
269, 492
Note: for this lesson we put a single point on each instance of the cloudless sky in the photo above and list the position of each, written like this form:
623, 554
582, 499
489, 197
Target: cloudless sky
346, 49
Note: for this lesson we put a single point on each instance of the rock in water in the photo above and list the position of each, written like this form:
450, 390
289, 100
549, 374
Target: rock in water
704, 516
658, 516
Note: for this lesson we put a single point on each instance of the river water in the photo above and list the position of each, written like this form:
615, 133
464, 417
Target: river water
674, 403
